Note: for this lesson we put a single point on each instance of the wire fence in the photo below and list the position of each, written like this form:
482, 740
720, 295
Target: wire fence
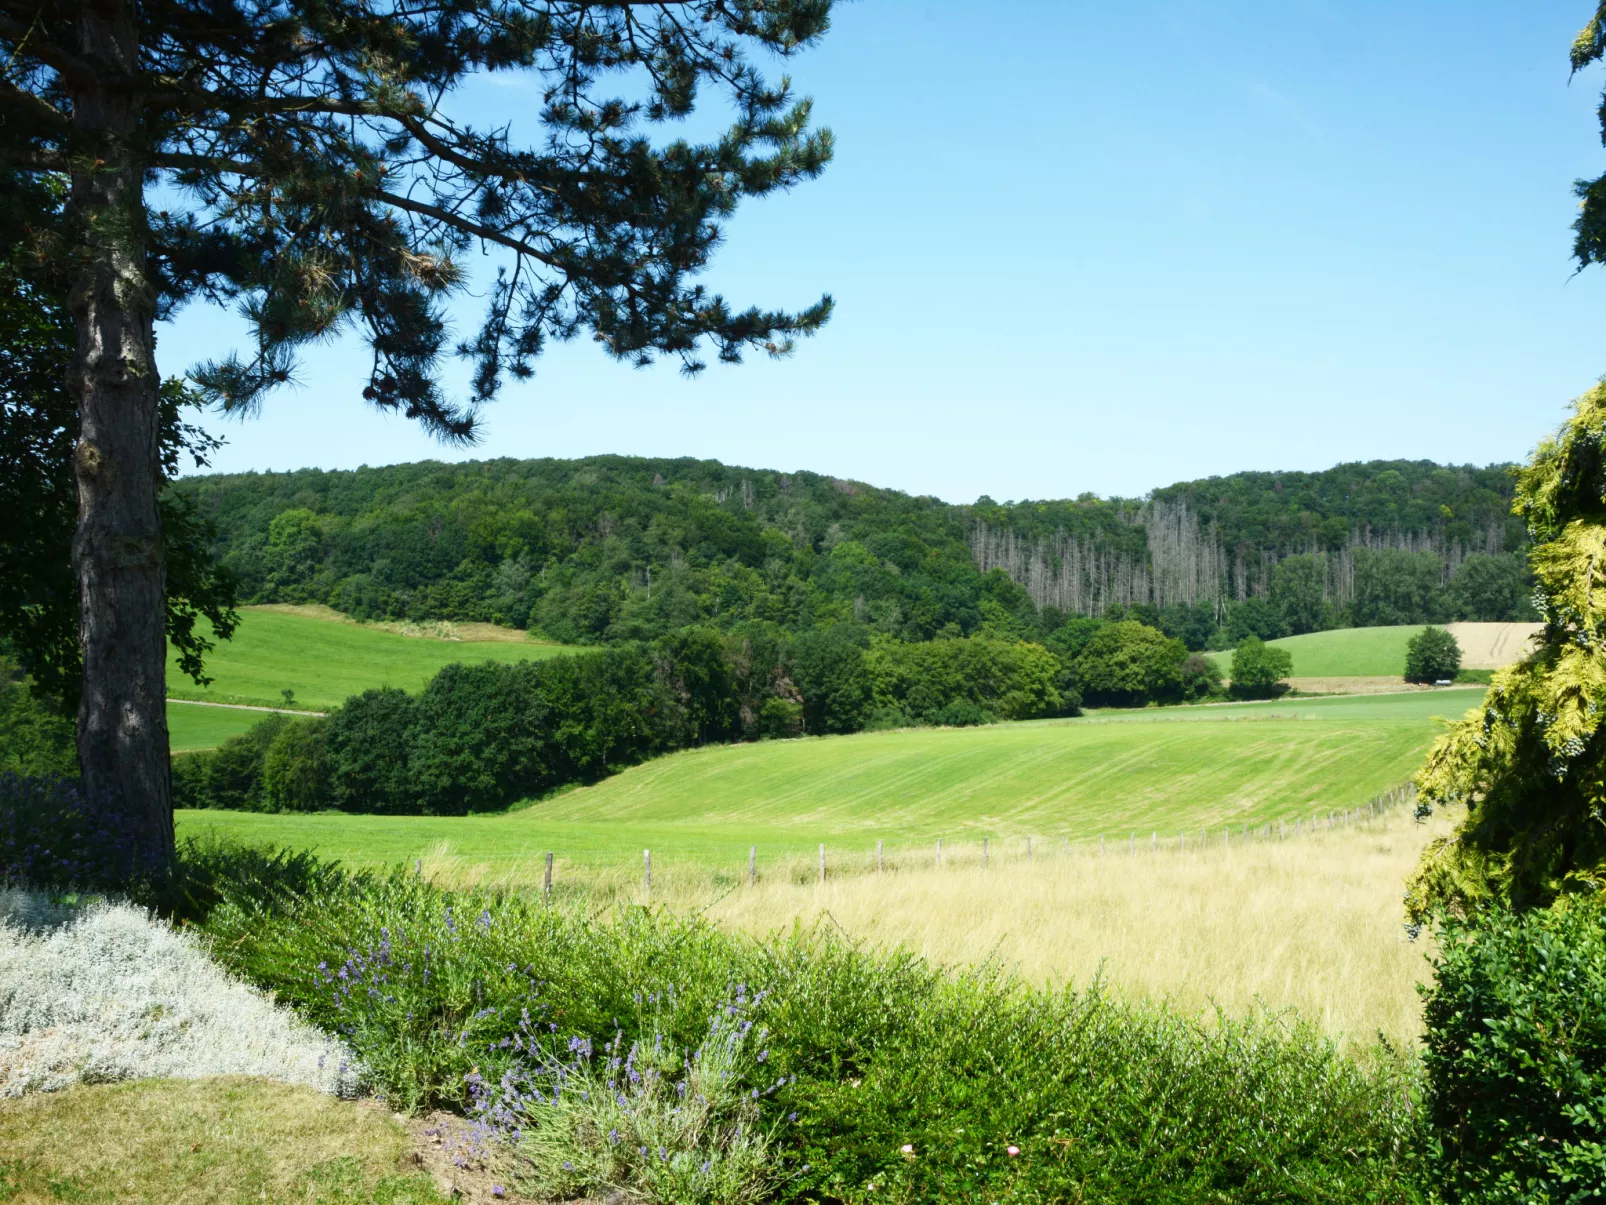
831, 860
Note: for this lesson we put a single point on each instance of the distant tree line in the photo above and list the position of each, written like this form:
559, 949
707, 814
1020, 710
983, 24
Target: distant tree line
613, 550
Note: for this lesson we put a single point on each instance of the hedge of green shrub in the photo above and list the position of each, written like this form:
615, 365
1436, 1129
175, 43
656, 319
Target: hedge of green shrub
868, 1076
479, 737
1516, 1056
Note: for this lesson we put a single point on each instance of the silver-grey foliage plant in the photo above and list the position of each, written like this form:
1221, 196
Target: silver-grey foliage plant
106, 992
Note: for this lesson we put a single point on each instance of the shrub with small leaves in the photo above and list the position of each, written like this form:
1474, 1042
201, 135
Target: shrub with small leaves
1516, 1056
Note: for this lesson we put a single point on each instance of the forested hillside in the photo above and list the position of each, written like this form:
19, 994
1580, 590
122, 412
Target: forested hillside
616, 548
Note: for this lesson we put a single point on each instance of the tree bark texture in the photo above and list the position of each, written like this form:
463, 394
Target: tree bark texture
117, 551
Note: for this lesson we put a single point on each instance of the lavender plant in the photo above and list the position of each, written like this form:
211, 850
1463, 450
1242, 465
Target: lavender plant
646, 1119
52, 836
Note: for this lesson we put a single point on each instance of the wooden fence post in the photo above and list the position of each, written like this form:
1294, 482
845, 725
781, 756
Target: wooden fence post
546, 884
752, 865
1154, 842
822, 861
878, 855
1028, 851
984, 853
939, 853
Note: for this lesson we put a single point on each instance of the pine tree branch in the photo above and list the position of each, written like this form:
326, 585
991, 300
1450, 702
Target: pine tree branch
36, 106
35, 161
458, 222
203, 100
443, 150
29, 41
180, 161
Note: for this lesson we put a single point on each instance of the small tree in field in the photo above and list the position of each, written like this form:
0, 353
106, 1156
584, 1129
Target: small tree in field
1432, 655
301, 160
1258, 669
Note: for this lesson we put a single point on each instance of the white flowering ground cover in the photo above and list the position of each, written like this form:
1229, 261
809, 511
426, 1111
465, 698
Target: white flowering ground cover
106, 992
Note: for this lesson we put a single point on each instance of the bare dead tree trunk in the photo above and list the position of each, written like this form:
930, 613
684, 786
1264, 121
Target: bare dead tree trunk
117, 551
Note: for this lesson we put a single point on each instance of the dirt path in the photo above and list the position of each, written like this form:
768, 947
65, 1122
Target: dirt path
245, 707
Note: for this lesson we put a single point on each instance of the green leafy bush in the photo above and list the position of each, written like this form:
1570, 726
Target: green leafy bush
1432, 655
1516, 1056
876, 1069
1258, 669
964, 677
1200, 678
1129, 664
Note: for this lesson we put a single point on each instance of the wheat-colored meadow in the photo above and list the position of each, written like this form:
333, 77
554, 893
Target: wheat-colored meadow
1310, 923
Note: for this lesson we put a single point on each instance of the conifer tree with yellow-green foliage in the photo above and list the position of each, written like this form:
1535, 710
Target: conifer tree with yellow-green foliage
1529, 765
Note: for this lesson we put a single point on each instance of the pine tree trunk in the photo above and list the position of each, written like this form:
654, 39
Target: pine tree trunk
117, 551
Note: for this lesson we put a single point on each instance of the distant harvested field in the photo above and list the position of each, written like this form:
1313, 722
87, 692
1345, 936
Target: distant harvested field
324, 657
1109, 773
1492, 645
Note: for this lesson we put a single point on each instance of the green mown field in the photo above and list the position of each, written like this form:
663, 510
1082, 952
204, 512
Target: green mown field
325, 660
191, 727
1343, 652
1109, 773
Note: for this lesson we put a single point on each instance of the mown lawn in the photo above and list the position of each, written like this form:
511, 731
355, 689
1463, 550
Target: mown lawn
1111, 774
325, 660
196, 1142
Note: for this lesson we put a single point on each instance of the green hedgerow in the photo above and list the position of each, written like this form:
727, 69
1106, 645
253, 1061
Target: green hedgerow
1516, 1056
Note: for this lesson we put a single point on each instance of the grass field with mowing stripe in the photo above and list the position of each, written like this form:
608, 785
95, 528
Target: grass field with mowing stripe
191, 727
1343, 652
1109, 773
324, 660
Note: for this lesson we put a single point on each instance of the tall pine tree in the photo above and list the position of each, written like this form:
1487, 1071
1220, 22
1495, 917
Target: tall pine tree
301, 159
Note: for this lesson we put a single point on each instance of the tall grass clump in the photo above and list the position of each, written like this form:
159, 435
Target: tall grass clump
858, 1074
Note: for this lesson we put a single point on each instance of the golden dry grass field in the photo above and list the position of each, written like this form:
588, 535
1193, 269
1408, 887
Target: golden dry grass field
1311, 923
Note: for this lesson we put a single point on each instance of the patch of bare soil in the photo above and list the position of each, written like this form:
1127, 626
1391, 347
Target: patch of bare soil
1354, 686
1492, 645
465, 1164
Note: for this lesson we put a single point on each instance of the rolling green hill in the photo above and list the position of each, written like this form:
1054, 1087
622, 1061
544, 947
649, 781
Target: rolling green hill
1344, 652
323, 660
1109, 773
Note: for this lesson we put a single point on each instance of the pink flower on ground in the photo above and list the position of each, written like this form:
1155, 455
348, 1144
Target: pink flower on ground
1013, 1151
907, 1148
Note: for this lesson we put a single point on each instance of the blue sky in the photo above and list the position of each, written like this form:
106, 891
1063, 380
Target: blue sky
1089, 246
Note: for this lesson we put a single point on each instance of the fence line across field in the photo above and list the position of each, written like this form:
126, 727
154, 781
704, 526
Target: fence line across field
986, 850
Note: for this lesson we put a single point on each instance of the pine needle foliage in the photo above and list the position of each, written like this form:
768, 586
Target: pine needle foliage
305, 162
1529, 765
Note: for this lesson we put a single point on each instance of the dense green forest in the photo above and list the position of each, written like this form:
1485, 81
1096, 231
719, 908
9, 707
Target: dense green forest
612, 549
